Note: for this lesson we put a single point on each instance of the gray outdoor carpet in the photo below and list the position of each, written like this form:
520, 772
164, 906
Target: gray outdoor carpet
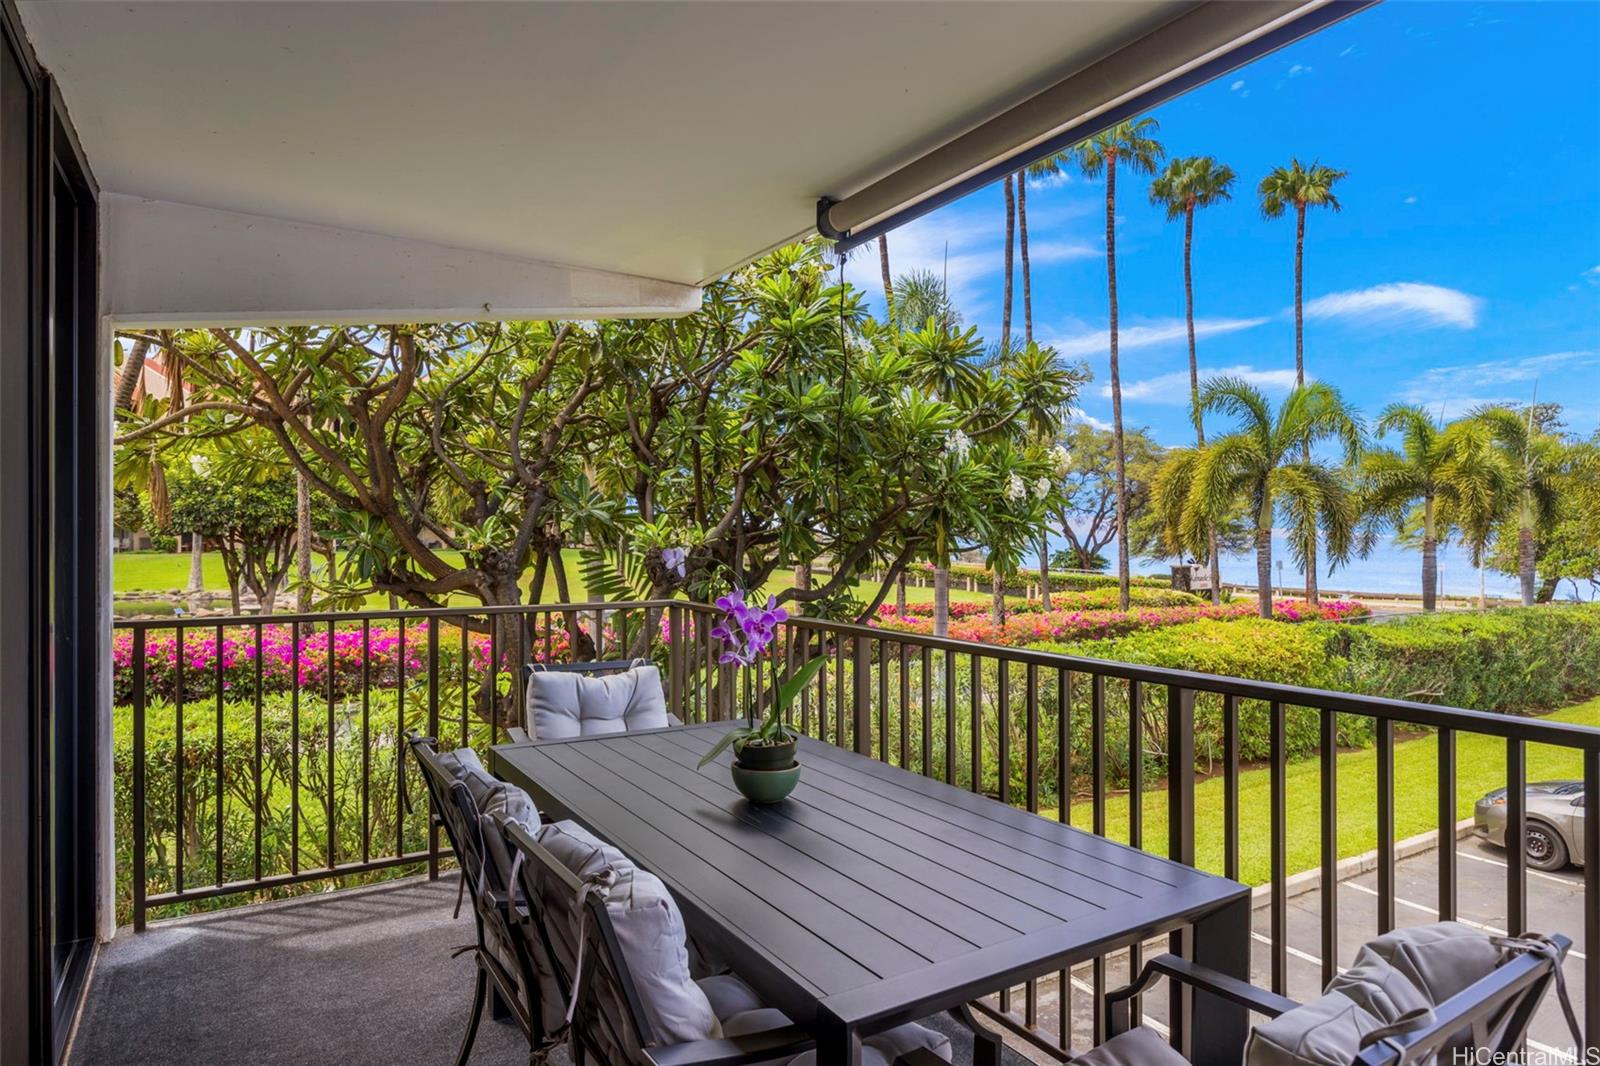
352, 978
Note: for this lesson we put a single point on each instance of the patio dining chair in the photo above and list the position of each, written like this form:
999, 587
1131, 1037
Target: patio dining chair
462, 792
1420, 996
615, 937
567, 700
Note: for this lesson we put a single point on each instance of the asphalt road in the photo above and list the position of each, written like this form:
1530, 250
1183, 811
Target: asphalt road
1555, 905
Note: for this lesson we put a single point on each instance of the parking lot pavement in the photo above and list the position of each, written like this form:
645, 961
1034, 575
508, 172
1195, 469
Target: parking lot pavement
1555, 905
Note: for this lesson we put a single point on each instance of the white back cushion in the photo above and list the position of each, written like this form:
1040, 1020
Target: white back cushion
650, 932
563, 705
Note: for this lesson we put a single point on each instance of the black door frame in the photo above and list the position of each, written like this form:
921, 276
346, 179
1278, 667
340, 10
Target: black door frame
52, 401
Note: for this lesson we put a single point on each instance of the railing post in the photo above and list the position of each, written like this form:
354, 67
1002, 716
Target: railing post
433, 731
861, 713
140, 829
675, 661
1180, 839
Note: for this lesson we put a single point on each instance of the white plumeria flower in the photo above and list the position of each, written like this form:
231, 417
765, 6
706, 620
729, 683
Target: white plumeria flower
1063, 459
1015, 488
1041, 488
957, 444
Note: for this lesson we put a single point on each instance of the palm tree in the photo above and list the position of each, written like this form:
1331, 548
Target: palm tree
1536, 460
1047, 167
888, 279
1186, 185
1437, 476
1264, 461
1300, 187
1131, 145
1011, 226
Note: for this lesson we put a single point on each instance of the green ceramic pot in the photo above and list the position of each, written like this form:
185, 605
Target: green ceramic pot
765, 786
766, 756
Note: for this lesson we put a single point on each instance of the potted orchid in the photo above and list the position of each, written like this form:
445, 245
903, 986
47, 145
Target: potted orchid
764, 769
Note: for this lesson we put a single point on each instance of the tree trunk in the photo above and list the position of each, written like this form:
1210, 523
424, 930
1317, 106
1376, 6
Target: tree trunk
1430, 558
997, 600
1483, 600
197, 574
1299, 278
1525, 558
900, 594
888, 279
1215, 566
1011, 226
1027, 268
302, 542
802, 577
1264, 572
132, 371
1044, 570
1116, 385
941, 601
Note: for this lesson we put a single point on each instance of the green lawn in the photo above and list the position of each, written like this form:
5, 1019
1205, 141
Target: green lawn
165, 571
1480, 767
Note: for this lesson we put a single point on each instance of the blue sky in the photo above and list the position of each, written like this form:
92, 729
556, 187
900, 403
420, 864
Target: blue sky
1464, 267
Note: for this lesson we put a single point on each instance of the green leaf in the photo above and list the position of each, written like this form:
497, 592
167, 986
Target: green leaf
796, 684
737, 733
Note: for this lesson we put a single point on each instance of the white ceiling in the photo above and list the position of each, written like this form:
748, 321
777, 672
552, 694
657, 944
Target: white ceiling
670, 140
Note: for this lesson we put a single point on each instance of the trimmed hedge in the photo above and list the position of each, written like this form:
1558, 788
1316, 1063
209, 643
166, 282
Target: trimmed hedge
1511, 660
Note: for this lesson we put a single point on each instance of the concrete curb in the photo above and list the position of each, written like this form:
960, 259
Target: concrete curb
1356, 865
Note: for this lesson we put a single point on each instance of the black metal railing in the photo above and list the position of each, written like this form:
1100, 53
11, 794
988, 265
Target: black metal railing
283, 762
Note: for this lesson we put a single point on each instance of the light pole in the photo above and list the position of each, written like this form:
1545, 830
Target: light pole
1280, 578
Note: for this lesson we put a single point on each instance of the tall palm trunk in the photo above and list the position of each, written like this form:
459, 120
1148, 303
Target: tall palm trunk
1027, 269
1044, 569
888, 279
1214, 565
941, 601
1116, 384
197, 574
1264, 572
1430, 557
1525, 551
1300, 372
302, 543
1011, 227
132, 371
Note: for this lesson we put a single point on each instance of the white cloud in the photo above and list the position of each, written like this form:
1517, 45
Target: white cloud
1401, 302
1236, 86
966, 247
1173, 388
1409, 200
1348, 50
1298, 69
1592, 275
1081, 415
1506, 381
1143, 336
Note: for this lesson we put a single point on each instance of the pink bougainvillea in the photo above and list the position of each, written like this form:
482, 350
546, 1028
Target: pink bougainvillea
377, 657
1035, 627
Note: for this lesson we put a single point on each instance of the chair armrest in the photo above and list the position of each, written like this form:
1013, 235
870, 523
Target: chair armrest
673, 719
517, 734
783, 1042
502, 901
1179, 969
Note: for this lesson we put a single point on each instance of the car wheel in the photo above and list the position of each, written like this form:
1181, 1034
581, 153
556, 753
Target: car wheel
1546, 850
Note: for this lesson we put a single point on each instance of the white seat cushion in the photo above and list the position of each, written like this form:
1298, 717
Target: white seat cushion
1136, 1047
1325, 1032
741, 1013
881, 1049
563, 705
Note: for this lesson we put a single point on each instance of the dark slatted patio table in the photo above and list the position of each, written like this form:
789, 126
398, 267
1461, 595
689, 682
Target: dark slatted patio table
873, 895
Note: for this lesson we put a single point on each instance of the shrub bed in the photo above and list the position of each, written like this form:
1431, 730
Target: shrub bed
1035, 627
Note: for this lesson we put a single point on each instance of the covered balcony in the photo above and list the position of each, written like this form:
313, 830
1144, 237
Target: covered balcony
222, 849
